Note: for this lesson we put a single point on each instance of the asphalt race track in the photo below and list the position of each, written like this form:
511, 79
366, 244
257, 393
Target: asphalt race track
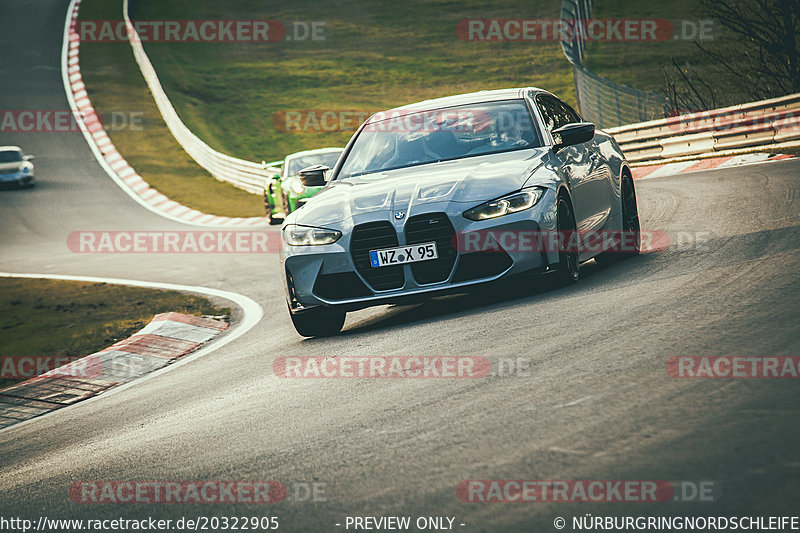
596, 403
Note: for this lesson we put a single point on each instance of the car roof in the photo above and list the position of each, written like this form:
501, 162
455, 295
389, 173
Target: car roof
10, 148
459, 99
314, 151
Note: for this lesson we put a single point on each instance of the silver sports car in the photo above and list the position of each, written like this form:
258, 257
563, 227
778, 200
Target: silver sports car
448, 193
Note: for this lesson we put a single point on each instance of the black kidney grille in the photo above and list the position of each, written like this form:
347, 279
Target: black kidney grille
432, 227
374, 236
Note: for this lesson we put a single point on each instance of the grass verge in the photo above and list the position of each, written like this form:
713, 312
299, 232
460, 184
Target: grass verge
40, 317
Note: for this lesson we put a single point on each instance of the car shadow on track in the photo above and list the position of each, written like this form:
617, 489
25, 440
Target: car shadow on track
8, 186
491, 296
674, 260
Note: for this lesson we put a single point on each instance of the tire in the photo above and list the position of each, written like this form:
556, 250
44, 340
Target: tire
271, 218
568, 265
319, 322
630, 224
268, 207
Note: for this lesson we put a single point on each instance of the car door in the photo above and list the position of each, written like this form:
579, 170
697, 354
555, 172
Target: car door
575, 164
598, 187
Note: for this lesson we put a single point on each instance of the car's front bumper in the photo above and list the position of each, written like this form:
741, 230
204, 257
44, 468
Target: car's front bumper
328, 275
20, 178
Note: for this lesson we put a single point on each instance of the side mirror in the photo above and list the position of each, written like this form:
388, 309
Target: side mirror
572, 134
313, 176
28, 158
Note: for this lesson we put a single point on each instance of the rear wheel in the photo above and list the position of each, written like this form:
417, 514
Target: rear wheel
630, 216
568, 266
318, 322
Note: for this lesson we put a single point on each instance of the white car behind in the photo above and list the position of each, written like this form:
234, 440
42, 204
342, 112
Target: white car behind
16, 167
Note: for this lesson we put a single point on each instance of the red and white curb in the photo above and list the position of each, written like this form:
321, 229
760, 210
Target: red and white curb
167, 337
671, 169
107, 155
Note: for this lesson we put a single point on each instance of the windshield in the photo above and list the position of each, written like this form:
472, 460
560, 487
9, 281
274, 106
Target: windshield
404, 140
10, 156
299, 163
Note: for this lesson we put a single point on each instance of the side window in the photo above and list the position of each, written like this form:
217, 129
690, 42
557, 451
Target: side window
573, 116
548, 113
556, 113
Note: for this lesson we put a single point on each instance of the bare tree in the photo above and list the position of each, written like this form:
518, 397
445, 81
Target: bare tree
760, 56
687, 90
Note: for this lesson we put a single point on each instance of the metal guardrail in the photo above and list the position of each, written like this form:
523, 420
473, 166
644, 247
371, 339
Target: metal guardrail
243, 174
738, 127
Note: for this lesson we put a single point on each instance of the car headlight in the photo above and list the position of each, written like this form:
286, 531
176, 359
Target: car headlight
297, 187
513, 203
26, 170
307, 236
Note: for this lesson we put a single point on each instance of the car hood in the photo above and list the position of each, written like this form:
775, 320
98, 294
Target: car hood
469, 180
15, 166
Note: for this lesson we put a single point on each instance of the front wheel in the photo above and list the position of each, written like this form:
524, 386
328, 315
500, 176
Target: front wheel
568, 266
318, 322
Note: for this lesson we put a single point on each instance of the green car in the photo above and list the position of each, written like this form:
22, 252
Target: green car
284, 192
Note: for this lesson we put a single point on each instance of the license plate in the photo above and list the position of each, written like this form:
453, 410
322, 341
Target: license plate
403, 254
